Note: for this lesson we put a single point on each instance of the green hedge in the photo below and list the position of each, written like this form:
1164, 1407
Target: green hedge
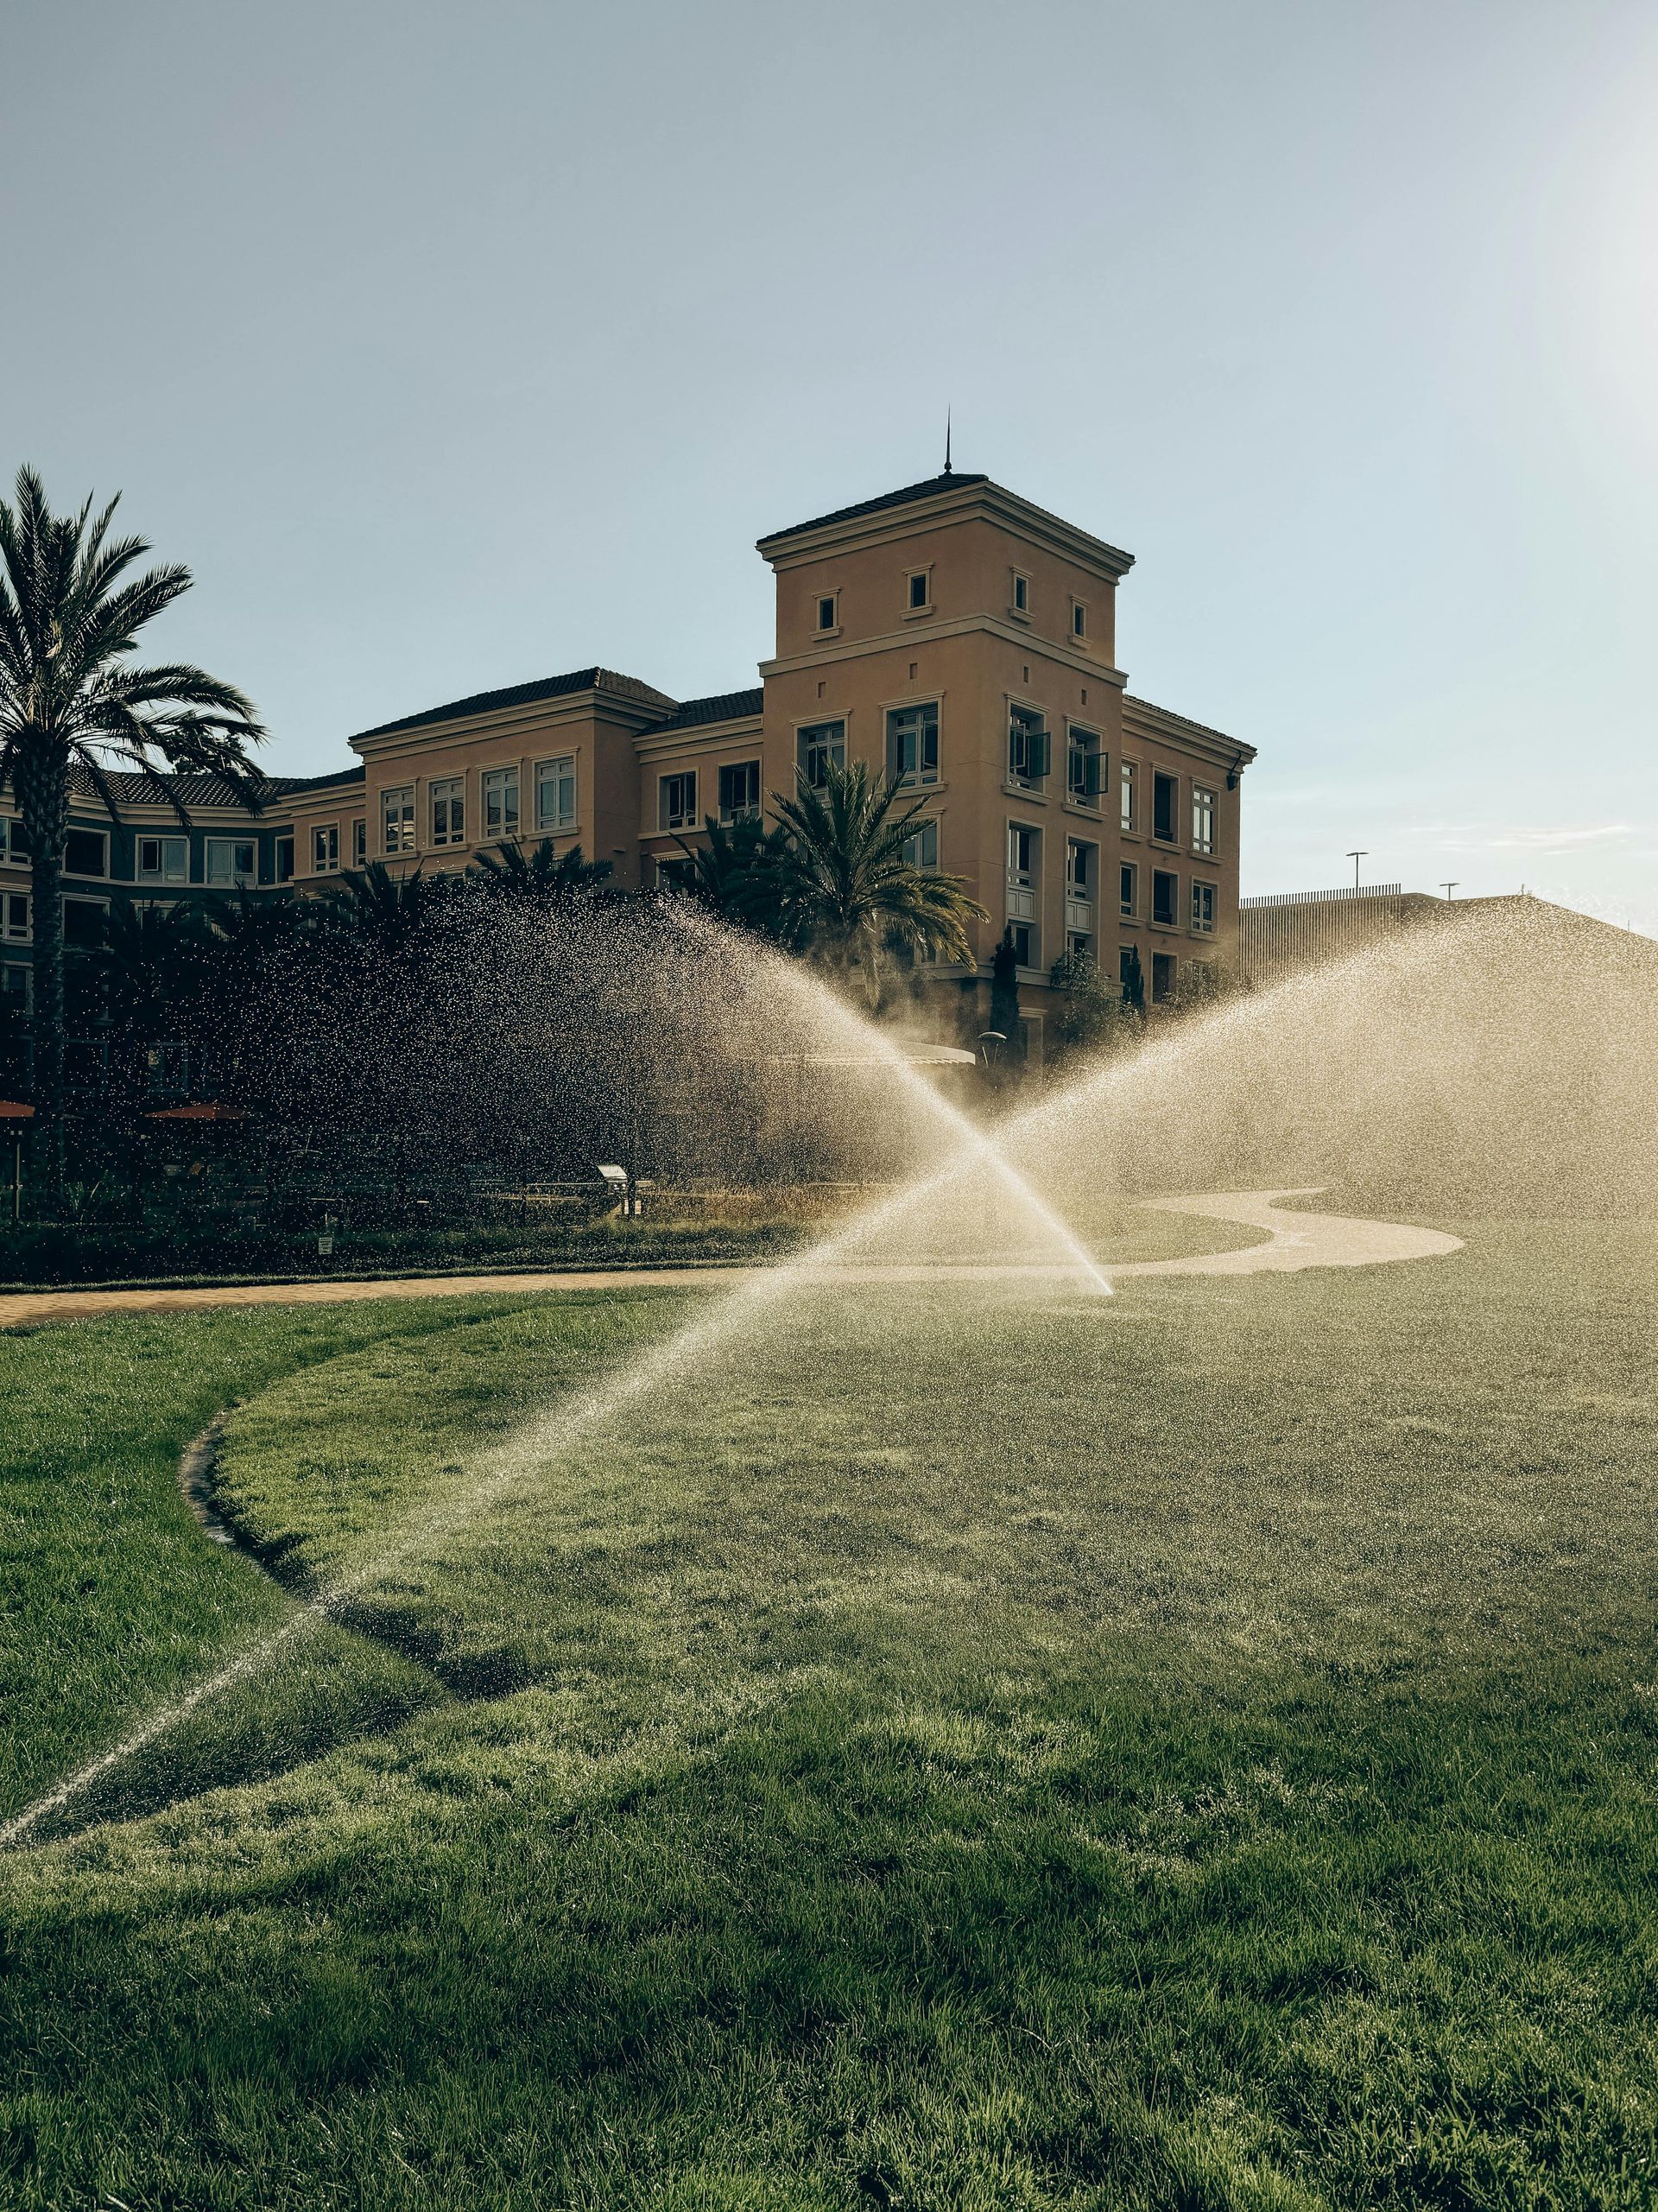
42, 1252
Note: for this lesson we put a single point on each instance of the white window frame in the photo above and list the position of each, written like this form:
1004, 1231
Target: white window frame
832, 600
813, 744
101, 873
1019, 594
1127, 871
162, 872
1024, 884
397, 824
676, 800
15, 918
746, 809
555, 794
445, 802
100, 905
924, 715
1203, 820
921, 848
1075, 752
360, 841
498, 804
1172, 919
1081, 891
1079, 618
232, 876
1166, 776
914, 606
324, 849
1204, 903
1127, 796
1028, 736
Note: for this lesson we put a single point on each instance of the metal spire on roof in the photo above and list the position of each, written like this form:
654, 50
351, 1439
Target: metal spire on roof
947, 470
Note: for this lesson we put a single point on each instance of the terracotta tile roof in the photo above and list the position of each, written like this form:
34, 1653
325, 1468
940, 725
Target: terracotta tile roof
139, 787
524, 694
719, 707
928, 490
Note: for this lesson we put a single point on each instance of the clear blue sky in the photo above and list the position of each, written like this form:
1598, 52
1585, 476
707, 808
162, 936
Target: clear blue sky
455, 345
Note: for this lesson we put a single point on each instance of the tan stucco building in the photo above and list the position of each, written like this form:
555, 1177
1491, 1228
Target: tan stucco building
952, 633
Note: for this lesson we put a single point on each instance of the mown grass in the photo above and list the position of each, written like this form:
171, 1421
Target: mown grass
965, 1748
111, 1599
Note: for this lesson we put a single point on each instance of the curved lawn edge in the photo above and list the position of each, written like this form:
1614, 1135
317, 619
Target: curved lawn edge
1293, 1239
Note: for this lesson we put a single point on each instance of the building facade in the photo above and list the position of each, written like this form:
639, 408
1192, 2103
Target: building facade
951, 634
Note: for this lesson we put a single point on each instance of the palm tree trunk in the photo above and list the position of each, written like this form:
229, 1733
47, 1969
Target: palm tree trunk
43, 802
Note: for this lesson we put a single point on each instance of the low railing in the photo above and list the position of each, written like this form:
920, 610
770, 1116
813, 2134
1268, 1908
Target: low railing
1319, 898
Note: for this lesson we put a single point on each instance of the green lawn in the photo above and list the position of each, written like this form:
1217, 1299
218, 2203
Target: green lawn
954, 1747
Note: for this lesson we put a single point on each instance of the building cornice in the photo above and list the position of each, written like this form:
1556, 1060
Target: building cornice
509, 723
968, 502
966, 625
146, 814
740, 730
1141, 719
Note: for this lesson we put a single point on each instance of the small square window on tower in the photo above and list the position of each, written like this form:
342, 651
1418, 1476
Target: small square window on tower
1021, 591
828, 610
1078, 619
919, 591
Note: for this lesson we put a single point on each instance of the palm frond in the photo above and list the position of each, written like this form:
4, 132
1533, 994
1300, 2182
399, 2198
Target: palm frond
94, 774
110, 627
543, 877
70, 616
850, 888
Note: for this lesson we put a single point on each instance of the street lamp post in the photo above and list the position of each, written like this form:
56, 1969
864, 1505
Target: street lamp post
1363, 853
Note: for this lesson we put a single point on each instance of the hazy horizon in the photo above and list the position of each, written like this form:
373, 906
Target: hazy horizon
452, 348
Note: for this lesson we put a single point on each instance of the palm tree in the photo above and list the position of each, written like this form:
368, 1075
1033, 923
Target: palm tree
386, 913
542, 878
850, 890
150, 965
738, 874
72, 702
257, 978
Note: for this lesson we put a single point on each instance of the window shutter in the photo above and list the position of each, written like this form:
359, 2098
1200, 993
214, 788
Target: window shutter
1038, 755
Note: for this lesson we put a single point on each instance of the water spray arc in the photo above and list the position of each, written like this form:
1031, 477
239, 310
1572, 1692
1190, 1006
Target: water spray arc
530, 1455
1366, 1033
531, 1452
976, 1146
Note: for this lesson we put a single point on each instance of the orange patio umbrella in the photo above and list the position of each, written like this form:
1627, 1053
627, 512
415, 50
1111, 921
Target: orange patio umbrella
211, 1112
14, 1110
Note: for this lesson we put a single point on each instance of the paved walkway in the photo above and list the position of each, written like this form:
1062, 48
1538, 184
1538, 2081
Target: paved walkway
1295, 1239
1292, 1240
